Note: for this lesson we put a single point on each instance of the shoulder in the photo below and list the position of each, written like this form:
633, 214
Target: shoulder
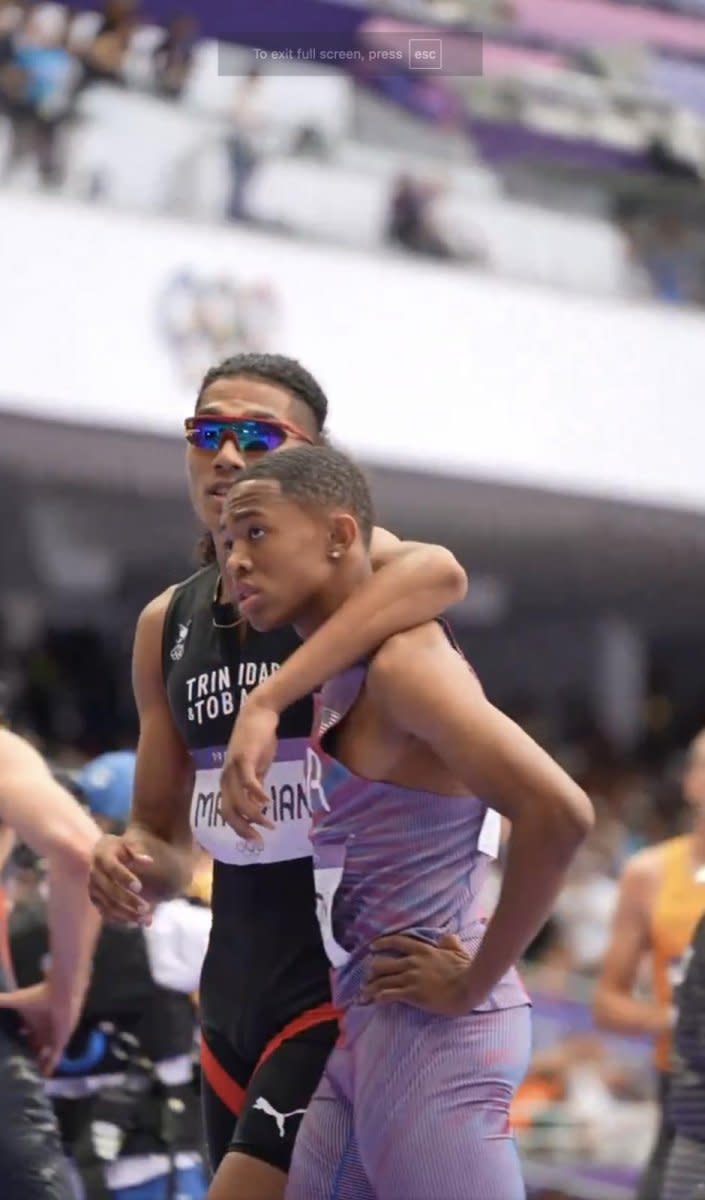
152, 619
401, 648
642, 873
200, 582
147, 650
415, 655
154, 615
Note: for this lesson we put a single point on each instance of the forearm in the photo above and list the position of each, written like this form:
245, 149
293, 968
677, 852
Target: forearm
173, 860
622, 1013
534, 872
160, 819
73, 926
414, 587
38, 810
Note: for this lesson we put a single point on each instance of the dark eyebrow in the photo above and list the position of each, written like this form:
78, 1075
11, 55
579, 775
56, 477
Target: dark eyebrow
244, 514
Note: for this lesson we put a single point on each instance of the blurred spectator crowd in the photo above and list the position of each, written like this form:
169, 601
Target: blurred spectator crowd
48, 55
606, 121
587, 1102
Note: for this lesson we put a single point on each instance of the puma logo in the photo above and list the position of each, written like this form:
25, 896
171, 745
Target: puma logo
264, 1106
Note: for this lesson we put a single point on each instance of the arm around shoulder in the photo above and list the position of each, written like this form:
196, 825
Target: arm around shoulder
410, 583
434, 565
429, 690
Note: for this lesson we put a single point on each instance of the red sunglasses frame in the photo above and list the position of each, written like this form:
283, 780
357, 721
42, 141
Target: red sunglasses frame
290, 430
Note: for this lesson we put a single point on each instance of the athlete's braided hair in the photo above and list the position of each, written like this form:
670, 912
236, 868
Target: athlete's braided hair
280, 370
321, 476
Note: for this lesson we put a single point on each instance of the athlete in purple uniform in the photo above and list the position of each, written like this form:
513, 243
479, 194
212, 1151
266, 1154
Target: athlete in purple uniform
414, 1104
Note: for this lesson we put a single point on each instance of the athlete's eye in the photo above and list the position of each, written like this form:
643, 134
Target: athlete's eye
255, 533
228, 544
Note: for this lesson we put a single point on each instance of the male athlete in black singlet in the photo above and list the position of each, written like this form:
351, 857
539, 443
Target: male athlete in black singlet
268, 1025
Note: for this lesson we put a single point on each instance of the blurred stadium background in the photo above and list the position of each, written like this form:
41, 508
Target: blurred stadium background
497, 270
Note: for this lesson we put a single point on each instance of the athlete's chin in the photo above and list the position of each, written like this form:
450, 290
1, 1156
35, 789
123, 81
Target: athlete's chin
264, 616
264, 624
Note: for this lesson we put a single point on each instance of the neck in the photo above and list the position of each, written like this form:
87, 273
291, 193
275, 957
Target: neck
344, 581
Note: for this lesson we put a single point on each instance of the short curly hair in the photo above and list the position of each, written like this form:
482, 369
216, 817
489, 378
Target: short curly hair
279, 370
272, 368
320, 476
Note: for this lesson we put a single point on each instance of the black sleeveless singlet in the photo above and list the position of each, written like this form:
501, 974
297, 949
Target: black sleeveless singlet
265, 963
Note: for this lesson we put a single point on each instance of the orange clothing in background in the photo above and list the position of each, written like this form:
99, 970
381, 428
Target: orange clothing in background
679, 905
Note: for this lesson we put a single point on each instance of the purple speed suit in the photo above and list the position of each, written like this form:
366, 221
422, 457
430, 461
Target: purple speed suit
411, 1106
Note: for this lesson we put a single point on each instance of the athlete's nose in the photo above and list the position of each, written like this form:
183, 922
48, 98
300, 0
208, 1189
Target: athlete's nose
238, 562
229, 455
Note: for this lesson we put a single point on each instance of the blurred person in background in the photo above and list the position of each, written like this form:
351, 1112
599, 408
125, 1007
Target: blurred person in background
583, 913
661, 899
42, 79
268, 1024
410, 223
664, 161
118, 13
670, 255
684, 1177
577, 1085
243, 142
12, 78
580, 927
104, 58
663, 254
417, 222
129, 1065
173, 58
38, 1020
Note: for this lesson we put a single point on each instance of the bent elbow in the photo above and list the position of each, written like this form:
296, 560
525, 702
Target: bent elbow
453, 575
575, 820
583, 814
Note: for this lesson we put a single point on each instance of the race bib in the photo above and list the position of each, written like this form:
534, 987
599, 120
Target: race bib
288, 810
328, 866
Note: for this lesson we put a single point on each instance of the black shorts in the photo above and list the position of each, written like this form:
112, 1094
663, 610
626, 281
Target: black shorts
32, 1166
256, 1108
